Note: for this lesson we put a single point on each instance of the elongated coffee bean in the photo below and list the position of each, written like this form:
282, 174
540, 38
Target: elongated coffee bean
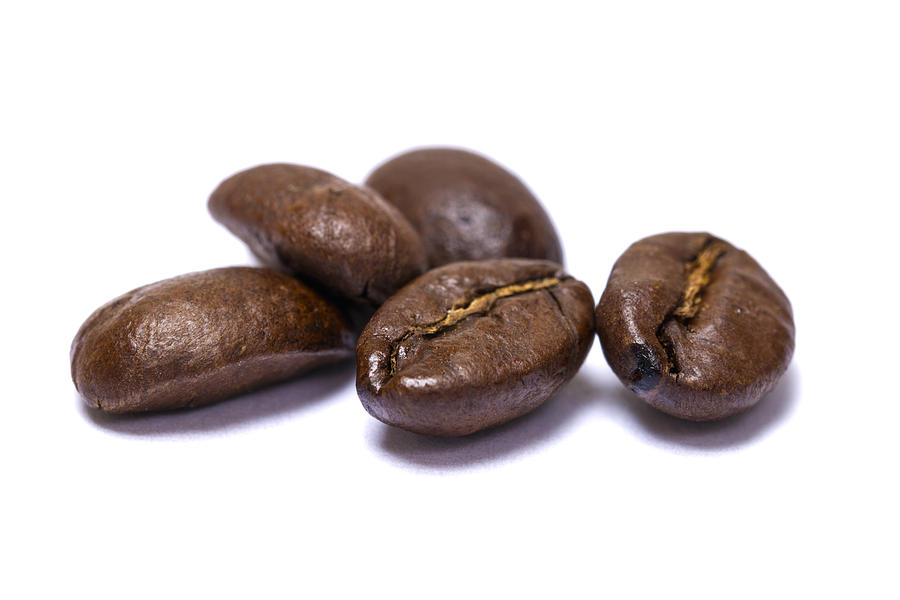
318, 226
694, 326
466, 207
202, 337
473, 344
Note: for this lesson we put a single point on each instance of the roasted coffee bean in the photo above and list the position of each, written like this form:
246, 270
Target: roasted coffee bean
318, 226
466, 207
694, 326
202, 337
473, 344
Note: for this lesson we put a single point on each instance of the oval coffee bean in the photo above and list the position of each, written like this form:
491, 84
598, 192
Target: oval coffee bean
466, 207
202, 337
316, 225
473, 344
694, 326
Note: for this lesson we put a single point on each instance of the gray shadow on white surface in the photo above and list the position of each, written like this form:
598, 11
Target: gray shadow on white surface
732, 432
577, 398
524, 434
270, 402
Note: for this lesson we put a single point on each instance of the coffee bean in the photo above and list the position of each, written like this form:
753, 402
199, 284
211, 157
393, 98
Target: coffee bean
198, 338
466, 207
473, 344
694, 326
318, 226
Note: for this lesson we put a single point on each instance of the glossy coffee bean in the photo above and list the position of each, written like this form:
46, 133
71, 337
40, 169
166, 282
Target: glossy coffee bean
473, 344
694, 326
202, 337
466, 207
344, 237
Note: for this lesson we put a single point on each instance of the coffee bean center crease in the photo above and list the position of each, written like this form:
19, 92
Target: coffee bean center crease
697, 275
481, 304
696, 278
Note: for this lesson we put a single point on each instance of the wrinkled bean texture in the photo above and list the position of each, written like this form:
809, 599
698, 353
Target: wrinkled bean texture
466, 207
694, 326
344, 237
202, 337
473, 344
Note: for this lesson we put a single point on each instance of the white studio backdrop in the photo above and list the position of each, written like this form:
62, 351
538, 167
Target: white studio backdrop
771, 124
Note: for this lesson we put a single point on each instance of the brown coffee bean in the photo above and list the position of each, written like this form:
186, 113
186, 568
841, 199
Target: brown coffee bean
466, 207
473, 344
202, 337
318, 226
694, 326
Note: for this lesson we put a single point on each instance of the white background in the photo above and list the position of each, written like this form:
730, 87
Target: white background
773, 124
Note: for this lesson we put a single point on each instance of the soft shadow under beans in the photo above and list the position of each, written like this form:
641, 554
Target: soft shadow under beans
549, 422
518, 436
732, 432
273, 401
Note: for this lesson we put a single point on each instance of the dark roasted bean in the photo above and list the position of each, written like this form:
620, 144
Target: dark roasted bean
466, 207
473, 344
344, 237
202, 337
694, 326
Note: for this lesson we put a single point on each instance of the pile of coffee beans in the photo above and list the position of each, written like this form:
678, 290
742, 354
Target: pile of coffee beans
475, 321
